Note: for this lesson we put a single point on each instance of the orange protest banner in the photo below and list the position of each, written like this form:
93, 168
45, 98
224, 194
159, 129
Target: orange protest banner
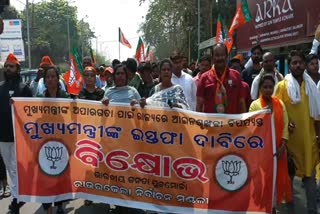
154, 159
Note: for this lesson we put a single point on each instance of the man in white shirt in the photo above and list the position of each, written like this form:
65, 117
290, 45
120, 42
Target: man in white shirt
184, 80
185, 66
268, 66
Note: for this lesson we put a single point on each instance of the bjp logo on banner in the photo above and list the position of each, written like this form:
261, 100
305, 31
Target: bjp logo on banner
53, 158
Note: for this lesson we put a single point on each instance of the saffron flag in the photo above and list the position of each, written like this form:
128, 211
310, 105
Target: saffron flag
153, 159
229, 41
220, 32
73, 78
242, 16
123, 39
140, 57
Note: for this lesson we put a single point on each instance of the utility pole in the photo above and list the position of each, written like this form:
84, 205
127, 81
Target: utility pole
68, 31
199, 29
28, 34
97, 42
189, 45
96, 45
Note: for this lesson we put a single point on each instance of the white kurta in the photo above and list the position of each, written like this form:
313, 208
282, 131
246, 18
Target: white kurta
314, 49
189, 88
255, 86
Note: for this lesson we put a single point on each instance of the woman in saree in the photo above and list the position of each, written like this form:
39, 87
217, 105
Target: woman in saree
53, 90
166, 94
267, 101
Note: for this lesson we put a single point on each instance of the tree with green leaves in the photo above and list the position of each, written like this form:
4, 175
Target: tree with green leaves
172, 24
49, 29
49, 21
10, 13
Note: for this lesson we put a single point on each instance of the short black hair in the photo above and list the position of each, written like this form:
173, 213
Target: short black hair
154, 65
119, 66
257, 47
205, 58
220, 45
145, 66
116, 68
165, 61
311, 57
131, 65
266, 77
115, 62
86, 58
296, 53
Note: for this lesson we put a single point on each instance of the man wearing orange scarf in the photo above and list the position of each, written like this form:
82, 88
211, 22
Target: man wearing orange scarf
11, 87
220, 89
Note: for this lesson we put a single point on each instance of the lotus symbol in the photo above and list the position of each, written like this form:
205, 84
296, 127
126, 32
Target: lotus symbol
53, 154
231, 168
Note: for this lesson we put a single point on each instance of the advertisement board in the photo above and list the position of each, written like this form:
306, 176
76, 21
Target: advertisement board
11, 40
279, 23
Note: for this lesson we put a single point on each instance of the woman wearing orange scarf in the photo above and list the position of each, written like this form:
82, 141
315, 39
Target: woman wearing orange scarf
279, 113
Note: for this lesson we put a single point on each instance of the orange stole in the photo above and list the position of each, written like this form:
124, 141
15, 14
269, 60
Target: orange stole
283, 183
221, 92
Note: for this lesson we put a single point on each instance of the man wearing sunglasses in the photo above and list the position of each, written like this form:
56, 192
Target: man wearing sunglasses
11, 87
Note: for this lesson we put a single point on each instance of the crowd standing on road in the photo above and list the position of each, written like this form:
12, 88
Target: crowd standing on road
212, 85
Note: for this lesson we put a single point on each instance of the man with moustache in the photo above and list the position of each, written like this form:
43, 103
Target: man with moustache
252, 71
302, 101
220, 89
11, 87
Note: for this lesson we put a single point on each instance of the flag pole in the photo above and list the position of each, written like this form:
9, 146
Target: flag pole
119, 42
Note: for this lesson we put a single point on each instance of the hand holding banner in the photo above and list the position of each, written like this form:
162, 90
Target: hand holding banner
155, 159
